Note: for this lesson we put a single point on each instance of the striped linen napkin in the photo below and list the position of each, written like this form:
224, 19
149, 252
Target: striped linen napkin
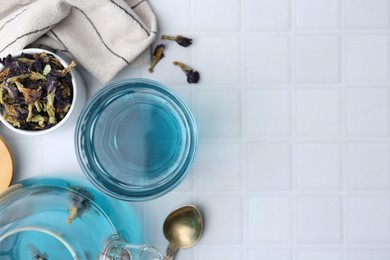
104, 36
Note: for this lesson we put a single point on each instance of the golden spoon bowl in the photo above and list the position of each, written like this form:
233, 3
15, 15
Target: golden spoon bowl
183, 229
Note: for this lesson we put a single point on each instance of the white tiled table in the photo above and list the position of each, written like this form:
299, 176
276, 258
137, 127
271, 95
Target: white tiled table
294, 121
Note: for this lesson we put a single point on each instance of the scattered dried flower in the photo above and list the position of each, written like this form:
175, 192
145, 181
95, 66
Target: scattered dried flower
158, 54
181, 40
36, 253
192, 75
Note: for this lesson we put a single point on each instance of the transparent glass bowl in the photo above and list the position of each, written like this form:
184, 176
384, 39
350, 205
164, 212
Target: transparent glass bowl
68, 219
136, 140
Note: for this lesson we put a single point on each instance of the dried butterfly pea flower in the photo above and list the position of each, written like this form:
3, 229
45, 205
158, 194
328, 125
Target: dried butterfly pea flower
46, 70
181, 40
80, 201
51, 88
66, 70
37, 65
158, 54
15, 110
14, 66
30, 94
4, 74
36, 253
11, 90
35, 76
39, 119
13, 121
2, 102
192, 75
25, 60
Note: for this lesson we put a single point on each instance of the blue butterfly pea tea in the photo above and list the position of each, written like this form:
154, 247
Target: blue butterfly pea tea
136, 139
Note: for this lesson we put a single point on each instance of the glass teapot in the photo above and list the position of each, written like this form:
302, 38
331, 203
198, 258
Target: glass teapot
49, 218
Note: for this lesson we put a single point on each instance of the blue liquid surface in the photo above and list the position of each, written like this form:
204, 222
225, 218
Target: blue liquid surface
146, 137
137, 138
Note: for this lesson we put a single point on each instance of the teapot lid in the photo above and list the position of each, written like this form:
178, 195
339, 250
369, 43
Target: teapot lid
6, 165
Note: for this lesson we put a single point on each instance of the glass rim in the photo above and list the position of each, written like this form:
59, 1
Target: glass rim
118, 190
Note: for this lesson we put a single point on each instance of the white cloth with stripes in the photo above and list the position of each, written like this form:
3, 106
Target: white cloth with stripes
104, 36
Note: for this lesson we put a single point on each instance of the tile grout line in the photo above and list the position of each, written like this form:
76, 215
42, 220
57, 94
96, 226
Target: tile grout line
194, 186
293, 31
343, 79
293, 134
243, 141
193, 100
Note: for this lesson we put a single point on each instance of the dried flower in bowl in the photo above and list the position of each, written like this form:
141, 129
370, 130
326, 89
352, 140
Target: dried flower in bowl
36, 90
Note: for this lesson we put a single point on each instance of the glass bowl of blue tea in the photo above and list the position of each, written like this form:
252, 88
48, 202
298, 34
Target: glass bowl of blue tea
136, 139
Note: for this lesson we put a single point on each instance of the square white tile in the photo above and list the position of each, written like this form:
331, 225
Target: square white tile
367, 14
268, 166
173, 20
318, 112
318, 166
29, 166
368, 254
312, 225
269, 254
317, 14
367, 219
267, 14
218, 114
185, 94
228, 253
319, 254
216, 208
317, 59
368, 112
267, 59
225, 15
54, 150
221, 173
269, 217
188, 182
368, 166
268, 113
219, 49
367, 58
182, 254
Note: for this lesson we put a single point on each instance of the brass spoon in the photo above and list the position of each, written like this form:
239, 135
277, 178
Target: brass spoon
182, 228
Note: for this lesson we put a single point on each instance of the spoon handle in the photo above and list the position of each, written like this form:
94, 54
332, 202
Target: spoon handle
170, 253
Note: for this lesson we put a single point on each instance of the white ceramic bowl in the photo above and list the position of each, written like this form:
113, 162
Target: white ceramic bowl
79, 96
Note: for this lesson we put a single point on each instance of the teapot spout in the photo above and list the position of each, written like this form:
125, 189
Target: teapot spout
116, 248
